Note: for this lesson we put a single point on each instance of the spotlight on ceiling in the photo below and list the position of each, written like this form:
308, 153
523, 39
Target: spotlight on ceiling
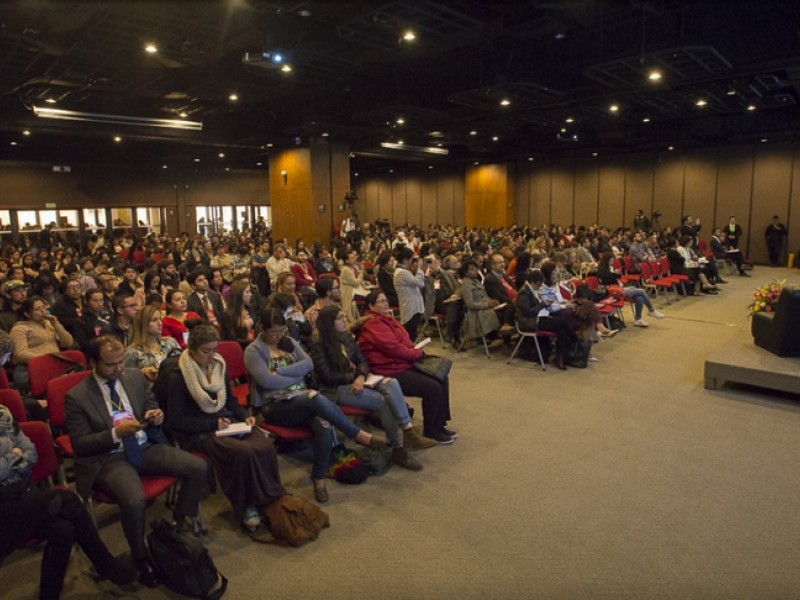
646, 120
151, 48
409, 36
505, 102
400, 121
654, 75
286, 68
569, 120
701, 102
751, 107
233, 97
613, 108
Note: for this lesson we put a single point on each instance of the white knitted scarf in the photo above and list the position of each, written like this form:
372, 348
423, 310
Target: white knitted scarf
198, 383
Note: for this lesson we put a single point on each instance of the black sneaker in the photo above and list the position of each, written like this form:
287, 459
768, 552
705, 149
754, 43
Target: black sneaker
440, 437
449, 432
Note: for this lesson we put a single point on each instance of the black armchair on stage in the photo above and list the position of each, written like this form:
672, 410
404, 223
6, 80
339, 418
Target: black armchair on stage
779, 331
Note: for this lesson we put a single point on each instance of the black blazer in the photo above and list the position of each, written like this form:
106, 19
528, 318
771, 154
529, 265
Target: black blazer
194, 304
495, 288
89, 424
328, 376
528, 307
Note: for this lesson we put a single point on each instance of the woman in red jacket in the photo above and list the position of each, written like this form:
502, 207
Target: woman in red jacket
389, 351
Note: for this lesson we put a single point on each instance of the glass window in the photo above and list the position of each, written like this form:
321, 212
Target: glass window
264, 212
5, 220
28, 220
95, 218
226, 222
121, 217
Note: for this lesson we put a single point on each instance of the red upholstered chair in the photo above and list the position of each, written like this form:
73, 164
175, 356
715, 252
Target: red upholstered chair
157, 256
3, 380
666, 272
47, 465
153, 486
124, 253
44, 368
234, 358
286, 433
56, 393
629, 270
661, 282
138, 257
13, 402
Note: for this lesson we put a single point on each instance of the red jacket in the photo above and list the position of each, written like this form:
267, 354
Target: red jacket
171, 327
386, 345
300, 276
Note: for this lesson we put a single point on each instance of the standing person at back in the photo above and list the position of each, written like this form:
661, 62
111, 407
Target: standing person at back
775, 234
409, 282
732, 233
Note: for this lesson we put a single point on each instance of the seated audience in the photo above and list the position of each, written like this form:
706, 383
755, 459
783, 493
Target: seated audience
328, 294
148, 348
239, 312
91, 321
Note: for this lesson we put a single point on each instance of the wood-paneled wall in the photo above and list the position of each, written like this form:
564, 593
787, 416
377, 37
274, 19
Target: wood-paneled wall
751, 182
419, 200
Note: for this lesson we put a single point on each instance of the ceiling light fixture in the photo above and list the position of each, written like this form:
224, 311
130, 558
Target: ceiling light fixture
26, 132
731, 92
73, 115
50, 100
221, 155
196, 160
400, 142
473, 133
594, 153
751, 107
13, 144
613, 108
654, 75
701, 102
764, 140
401, 146
563, 130
530, 159
150, 48
270, 145
409, 36
505, 102
183, 114
570, 120
430, 166
325, 134
117, 139
391, 170
233, 97
163, 166
400, 121
495, 138
286, 68
646, 120
671, 148
259, 164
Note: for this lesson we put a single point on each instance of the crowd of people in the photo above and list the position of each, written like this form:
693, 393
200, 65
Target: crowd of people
321, 327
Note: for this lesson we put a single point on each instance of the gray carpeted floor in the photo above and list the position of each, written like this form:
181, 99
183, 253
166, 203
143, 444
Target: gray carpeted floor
624, 480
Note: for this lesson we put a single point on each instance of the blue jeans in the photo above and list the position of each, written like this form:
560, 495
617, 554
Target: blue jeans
304, 411
387, 399
641, 298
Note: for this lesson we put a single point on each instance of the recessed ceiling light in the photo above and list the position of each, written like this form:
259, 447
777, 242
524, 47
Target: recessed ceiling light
505, 102
654, 75
286, 68
233, 97
183, 114
476, 163
26, 132
163, 166
400, 121
560, 36
304, 13
356, 174
763, 140
196, 160
613, 108
671, 148
117, 139
473, 133
270, 145
150, 48
530, 159
325, 134
569, 120
731, 92
751, 107
409, 36
259, 164
14, 144
495, 138
50, 100
701, 102
646, 120
563, 130
594, 153
430, 166
440, 144
400, 142
227, 168
391, 170
221, 155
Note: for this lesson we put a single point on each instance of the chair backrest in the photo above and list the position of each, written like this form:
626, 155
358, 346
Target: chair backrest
3, 380
56, 393
234, 358
157, 256
665, 268
647, 274
138, 257
47, 461
655, 268
42, 369
616, 264
592, 282
628, 264
13, 402
566, 293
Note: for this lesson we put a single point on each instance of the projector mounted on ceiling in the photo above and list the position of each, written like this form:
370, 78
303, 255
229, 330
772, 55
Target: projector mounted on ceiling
269, 59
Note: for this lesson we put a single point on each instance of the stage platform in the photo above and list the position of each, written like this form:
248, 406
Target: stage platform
744, 362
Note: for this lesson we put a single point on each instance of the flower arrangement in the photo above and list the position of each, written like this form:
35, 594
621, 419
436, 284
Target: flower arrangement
765, 298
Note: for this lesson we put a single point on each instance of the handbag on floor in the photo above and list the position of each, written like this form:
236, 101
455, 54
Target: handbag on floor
437, 367
294, 521
578, 355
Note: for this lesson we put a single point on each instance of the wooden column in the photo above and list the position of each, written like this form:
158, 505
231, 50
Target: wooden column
489, 196
306, 187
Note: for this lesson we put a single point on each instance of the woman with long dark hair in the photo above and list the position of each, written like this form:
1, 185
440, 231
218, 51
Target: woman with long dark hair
342, 371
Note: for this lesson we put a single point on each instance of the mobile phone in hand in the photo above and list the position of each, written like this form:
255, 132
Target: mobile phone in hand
146, 422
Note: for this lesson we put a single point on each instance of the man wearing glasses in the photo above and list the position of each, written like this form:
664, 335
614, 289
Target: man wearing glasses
68, 310
125, 309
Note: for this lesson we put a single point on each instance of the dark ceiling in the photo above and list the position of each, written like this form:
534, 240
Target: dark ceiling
561, 64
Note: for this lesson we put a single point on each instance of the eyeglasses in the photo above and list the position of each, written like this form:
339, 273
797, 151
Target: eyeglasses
134, 305
278, 332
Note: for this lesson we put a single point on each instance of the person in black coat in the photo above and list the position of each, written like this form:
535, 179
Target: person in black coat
203, 301
775, 234
732, 233
385, 265
68, 310
499, 287
91, 322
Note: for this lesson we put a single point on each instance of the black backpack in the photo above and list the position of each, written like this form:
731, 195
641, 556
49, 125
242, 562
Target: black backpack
183, 563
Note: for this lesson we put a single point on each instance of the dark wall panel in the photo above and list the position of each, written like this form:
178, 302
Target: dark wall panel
540, 185
667, 189
459, 192
413, 200
445, 209
638, 187
563, 193
384, 199
612, 193
700, 188
429, 200
399, 201
522, 198
771, 180
586, 191
734, 187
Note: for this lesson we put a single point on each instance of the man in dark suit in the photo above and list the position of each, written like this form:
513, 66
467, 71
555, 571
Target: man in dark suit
204, 302
499, 287
732, 234
721, 253
114, 422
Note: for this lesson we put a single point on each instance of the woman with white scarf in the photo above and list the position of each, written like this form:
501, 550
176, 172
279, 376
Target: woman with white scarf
200, 404
54, 515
